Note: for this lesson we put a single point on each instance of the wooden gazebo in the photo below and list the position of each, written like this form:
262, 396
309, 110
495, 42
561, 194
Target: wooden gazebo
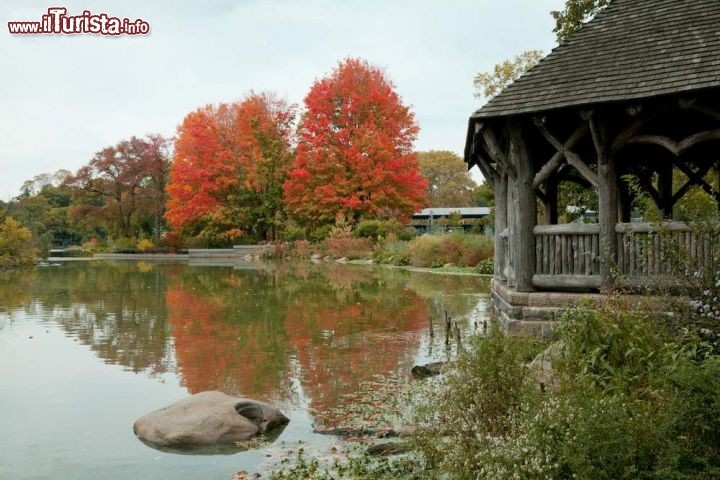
635, 93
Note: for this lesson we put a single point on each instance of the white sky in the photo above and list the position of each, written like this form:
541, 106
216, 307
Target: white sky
63, 97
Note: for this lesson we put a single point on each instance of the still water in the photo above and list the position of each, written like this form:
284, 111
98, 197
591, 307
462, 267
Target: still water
86, 348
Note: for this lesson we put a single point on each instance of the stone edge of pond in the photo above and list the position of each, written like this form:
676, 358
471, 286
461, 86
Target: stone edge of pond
467, 271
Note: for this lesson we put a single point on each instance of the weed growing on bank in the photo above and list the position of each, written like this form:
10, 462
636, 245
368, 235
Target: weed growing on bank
631, 398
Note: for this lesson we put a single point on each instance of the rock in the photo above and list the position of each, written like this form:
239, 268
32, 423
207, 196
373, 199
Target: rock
541, 369
427, 370
388, 448
316, 256
342, 260
449, 265
207, 419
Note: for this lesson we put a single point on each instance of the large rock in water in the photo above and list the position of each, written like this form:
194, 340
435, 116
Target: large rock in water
207, 420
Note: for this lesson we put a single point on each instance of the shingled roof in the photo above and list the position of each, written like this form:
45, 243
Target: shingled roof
631, 50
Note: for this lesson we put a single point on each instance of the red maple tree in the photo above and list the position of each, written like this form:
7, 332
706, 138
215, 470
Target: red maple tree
230, 163
355, 156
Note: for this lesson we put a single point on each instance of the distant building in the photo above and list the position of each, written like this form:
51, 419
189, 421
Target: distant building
439, 219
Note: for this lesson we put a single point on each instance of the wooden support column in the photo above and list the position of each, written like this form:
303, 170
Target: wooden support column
665, 185
511, 231
501, 224
625, 205
717, 185
526, 210
550, 202
609, 195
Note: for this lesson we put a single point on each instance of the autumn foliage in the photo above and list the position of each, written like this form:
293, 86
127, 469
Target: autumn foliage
123, 186
355, 156
230, 163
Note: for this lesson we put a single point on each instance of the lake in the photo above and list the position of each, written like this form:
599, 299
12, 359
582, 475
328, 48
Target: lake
88, 347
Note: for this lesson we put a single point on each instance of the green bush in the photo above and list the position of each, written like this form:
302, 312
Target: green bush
368, 229
383, 229
486, 267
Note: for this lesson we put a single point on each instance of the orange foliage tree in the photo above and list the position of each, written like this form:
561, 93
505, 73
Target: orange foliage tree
355, 156
230, 164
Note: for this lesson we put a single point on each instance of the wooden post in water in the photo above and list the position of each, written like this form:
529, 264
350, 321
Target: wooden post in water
448, 325
432, 332
457, 337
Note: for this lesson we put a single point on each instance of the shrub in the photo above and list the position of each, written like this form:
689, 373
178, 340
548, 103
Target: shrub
457, 248
123, 245
394, 252
476, 407
349, 247
382, 229
632, 398
368, 229
144, 245
486, 266
172, 241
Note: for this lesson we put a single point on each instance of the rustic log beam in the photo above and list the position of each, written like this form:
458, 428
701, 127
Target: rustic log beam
699, 181
571, 157
701, 137
495, 152
660, 140
676, 148
490, 173
487, 170
632, 130
650, 189
476, 153
557, 159
691, 182
582, 167
694, 104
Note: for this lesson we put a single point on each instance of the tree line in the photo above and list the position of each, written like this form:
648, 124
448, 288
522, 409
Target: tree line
257, 169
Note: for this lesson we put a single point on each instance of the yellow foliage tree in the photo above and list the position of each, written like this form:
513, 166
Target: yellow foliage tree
16, 245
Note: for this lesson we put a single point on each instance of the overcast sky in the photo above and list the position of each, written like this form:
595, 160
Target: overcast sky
64, 97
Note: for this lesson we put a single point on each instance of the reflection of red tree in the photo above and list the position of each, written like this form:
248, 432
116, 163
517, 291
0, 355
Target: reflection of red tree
216, 353
340, 349
344, 329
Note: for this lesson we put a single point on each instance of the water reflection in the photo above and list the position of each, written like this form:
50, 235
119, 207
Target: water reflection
307, 334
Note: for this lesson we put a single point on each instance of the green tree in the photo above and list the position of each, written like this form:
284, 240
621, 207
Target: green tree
484, 195
449, 183
576, 12
489, 84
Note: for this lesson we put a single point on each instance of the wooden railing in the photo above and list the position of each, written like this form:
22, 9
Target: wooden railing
568, 255
660, 250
